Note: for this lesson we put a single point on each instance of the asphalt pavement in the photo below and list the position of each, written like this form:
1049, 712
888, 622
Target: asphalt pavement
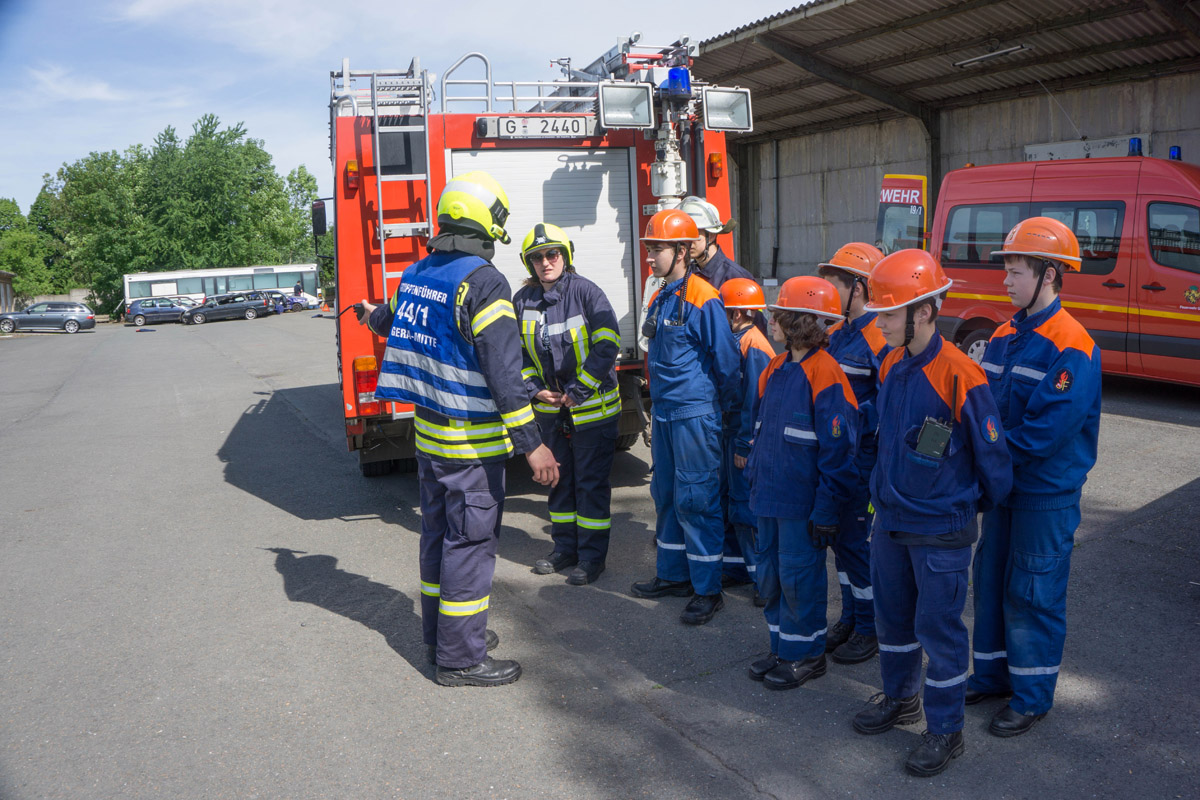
201, 597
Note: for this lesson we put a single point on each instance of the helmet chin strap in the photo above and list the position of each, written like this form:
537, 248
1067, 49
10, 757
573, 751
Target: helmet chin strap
1037, 290
909, 326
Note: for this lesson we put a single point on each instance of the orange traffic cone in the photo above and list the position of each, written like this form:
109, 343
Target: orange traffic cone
325, 306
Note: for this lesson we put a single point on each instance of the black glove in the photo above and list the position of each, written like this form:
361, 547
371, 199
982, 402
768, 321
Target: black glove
823, 536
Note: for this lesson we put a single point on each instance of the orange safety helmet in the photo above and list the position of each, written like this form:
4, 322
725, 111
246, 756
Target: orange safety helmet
857, 258
742, 293
1043, 237
903, 278
671, 225
809, 294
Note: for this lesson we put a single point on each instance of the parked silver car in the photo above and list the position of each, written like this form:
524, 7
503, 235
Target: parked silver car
69, 317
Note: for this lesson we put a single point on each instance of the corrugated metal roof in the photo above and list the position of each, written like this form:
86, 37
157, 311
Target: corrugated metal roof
907, 51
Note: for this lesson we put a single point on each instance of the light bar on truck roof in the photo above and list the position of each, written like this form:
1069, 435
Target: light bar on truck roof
726, 109
626, 105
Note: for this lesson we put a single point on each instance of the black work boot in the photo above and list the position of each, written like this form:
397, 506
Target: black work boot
585, 572
857, 649
702, 608
793, 674
490, 640
660, 588
934, 753
758, 669
974, 696
886, 712
489, 672
1010, 722
554, 562
837, 636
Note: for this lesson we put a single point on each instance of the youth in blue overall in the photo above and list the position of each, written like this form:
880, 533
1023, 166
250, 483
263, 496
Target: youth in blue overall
742, 298
1044, 370
941, 458
802, 473
859, 348
570, 343
453, 351
695, 377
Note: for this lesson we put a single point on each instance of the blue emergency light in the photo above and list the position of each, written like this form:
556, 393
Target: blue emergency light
679, 82
1135, 146
1176, 153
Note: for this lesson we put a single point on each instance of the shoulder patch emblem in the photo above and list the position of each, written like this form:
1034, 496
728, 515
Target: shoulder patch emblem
991, 428
835, 426
1063, 380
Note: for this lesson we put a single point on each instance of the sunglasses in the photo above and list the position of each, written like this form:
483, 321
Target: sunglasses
546, 255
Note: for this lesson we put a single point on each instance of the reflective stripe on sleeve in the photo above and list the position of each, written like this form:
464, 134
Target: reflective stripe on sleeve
515, 419
606, 334
1037, 375
588, 381
989, 367
498, 309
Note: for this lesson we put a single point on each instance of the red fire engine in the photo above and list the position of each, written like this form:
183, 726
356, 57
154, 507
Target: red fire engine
597, 154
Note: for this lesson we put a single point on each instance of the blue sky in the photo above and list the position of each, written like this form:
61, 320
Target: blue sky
97, 76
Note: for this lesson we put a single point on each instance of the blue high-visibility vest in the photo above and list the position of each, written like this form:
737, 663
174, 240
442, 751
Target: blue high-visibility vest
428, 362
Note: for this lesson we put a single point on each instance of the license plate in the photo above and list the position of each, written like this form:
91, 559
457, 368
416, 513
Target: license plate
547, 127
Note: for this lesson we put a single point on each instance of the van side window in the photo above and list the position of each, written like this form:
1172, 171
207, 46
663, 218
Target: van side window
973, 233
1175, 235
1097, 226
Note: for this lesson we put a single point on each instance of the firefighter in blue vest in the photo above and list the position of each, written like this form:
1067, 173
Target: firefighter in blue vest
453, 351
695, 379
1044, 370
570, 340
859, 348
941, 459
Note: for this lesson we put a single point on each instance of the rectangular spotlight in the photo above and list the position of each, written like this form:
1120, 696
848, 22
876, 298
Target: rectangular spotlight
626, 105
727, 109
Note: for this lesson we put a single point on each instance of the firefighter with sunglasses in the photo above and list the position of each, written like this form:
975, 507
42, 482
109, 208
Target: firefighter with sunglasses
570, 340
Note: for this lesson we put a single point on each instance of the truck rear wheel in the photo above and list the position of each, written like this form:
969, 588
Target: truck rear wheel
375, 469
974, 343
627, 441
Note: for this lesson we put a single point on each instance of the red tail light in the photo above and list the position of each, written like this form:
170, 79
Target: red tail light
366, 378
352, 175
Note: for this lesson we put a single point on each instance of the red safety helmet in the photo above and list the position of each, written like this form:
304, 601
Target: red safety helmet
742, 293
808, 294
671, 225
1043, 237
903, 278
857, 258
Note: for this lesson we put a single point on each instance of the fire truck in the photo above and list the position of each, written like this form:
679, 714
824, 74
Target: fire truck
596, 153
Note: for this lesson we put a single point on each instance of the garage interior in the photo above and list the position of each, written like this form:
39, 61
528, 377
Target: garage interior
846, 91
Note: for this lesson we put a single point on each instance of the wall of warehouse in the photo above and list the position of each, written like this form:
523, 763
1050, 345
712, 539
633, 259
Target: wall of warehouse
829, 182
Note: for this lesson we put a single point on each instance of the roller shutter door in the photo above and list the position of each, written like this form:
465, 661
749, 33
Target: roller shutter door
587, 193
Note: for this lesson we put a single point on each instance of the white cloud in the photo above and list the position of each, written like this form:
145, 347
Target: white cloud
56, 83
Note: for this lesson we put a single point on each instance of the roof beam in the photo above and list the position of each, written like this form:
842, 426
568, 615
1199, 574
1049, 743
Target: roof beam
1179, 13
946, 49
869, 118
1045, 26
840, 77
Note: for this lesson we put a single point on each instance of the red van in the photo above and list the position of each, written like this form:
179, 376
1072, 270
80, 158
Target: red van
1138, 224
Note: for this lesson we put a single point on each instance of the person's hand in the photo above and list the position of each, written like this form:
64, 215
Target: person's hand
823, 536
566, 401
548, 397
545, 468
363, 311
739, 461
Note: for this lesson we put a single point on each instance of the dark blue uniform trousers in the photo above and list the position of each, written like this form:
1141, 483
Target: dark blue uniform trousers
792, 579
920, 593
852, 557
686, 488
1021, 569
461, 507
739, 563
580, 521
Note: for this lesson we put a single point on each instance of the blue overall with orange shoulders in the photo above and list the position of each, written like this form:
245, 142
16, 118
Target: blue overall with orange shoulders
925, 520
801, 471
1044, 371
695, 377
859, 348
740, 523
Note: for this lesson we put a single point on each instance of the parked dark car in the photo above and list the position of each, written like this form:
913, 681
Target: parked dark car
285, 302
69, 317
246, 305
155, 309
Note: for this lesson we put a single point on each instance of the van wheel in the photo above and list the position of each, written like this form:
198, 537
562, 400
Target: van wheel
627, 441
975, 343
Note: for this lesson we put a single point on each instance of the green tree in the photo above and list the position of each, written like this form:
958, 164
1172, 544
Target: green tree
22, 252
44, 217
